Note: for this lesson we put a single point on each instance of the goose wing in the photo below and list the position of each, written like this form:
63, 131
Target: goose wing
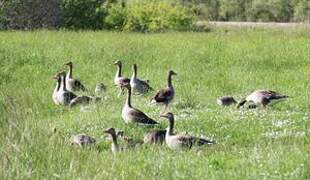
122, 81
185, 140
163, 95
145, 83
273, 95
140, 117
202, 141
78, 85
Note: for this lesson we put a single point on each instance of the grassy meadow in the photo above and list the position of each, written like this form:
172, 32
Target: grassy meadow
271, 143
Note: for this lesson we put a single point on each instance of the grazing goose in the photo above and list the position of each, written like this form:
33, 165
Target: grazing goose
133, 115
83, 100
114, 146
263, 97
226, 101
155, 137
181, 141
64, 96
82, 140
138, 86
73, 84
120, 81
54, 96
166, 95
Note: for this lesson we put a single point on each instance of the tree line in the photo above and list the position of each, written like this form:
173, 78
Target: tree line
144, 15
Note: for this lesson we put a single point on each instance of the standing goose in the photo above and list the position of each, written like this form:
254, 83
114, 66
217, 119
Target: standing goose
166, 95
114, 146
54, 96
120, 81
138, 86
73, 84
133, 115
64, 96
263, 97
181, 141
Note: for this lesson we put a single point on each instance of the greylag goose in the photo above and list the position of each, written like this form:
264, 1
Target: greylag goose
83, 100
120, 81
73, 84
155, 137
64, 96
138, 86
226, 101
129, 141
100, 88
54, 96
181, 141
82, 140
133, 115
263, 97
114, 146
166, 95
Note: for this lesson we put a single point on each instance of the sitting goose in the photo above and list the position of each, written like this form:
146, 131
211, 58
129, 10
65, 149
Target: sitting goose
155, 137
120, 81
130, 142
54, 96
82, 140
73, 84
138, 86
64, 96
263, 97
181, 141
114, 146
83, 100
133, 115
166, 95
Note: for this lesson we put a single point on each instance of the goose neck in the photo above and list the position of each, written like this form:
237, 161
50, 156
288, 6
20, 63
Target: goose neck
171, 126
128, 100
118, 71
70, 71
169, 80
63, 79
114, 145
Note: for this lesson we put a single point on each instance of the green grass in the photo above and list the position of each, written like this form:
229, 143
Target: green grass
270, 143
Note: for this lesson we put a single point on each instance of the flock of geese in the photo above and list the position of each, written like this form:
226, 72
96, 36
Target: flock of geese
66, 86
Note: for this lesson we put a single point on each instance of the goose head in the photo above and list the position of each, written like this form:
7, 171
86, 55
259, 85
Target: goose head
118, 63
59, 74
110, 131
68, 64
168, 115
172, 73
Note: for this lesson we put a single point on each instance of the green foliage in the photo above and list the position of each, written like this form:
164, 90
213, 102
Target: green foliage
302, 11
117, 15
157, 16
83, 14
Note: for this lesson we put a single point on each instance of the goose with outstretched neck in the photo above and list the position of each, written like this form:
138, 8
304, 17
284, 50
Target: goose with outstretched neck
133, 115
138, 86
64, 96
120, 81
114, 146
55, 92
262, 97
165, 96
73, 84
181, 141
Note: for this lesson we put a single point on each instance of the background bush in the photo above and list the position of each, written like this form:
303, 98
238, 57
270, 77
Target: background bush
144, 15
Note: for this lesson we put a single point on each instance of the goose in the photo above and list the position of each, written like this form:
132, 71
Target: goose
100, 88
181, 141
64, 96
226, 101
133, 115
83, 100
114, 146
82, 140
54, 96
73, 84
262, 97
166, 95
120, 81
138, 86
155, 137
129, 141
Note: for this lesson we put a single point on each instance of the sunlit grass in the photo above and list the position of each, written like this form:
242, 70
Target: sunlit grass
270, 143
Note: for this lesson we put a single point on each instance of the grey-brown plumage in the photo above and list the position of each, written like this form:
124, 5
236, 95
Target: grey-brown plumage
64, 96
226, 101
181, 141
155, 137
73, 84
80, 100
133, 115
82, 140
262, 97
165, 96
138, 86
120, 81
114, 145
